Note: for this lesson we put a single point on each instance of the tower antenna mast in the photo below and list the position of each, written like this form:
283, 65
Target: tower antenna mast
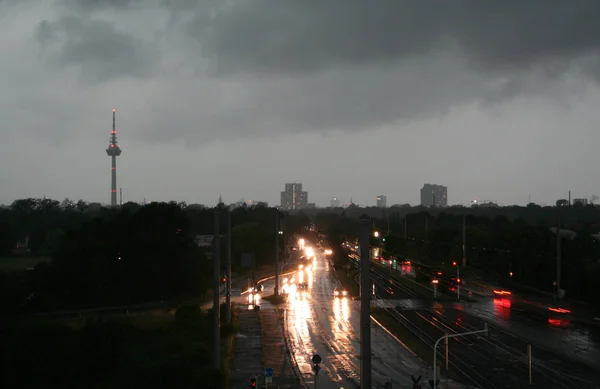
113, 151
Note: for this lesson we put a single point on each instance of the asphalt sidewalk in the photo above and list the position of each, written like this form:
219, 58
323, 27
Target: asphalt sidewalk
275, 352
259, 344
247, 362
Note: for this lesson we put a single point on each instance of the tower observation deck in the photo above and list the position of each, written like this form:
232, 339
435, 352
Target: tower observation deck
113, 151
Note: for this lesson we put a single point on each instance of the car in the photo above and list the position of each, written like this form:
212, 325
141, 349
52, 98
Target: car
258, 288
340, 292
302, 286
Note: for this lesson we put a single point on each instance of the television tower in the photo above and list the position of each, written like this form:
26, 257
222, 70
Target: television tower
113, 151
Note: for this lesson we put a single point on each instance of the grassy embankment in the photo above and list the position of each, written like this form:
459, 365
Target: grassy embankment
143, 350
20, 263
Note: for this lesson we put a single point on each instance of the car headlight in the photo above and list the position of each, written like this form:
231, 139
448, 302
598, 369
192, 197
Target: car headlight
335, 293
344, 293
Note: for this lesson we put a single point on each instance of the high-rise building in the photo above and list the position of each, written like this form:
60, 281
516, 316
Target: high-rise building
434, 195
293, 197
113, 151
334, 202
381, 201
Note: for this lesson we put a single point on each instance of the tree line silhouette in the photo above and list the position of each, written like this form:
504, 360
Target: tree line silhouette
126, 255
512, 245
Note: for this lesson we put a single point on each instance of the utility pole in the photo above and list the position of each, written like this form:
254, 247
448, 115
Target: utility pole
405, 227
388, 220
365, 306
426, 232
558, 259
529, 360
284, 228
217, 295
276, 253
228, 270
464, 240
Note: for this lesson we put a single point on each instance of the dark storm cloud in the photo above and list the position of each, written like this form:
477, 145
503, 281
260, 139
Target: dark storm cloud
323, 65
101, 51
307, 35
92, 5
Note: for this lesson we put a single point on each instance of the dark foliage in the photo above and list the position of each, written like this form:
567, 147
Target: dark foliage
127, 255
107, 354
495, 246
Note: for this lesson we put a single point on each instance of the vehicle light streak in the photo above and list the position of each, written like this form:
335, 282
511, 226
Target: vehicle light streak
559, 310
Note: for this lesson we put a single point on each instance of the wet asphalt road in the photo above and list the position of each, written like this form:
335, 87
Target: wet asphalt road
318, 323
501, 360
571, 339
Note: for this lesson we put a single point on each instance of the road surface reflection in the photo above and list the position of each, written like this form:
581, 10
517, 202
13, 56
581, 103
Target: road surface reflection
341, 309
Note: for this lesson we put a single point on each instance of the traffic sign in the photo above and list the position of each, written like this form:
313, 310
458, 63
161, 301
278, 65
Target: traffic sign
316, 369
268, 380
316, 359
268, 372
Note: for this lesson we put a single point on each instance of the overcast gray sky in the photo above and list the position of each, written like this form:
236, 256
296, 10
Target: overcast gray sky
353, 98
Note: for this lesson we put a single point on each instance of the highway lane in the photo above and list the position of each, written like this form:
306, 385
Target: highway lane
319, 323
569, 339
549, 368
552, 331
308, 336
496, 362
499, 358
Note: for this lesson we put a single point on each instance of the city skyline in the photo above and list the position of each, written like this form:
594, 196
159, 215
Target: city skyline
491, 121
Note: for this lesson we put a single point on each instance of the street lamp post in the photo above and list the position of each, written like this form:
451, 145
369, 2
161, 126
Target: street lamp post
276, 291
486, 330
216, 293
365, 304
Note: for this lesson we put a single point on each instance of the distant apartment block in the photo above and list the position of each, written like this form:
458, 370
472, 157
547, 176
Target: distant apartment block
334, 202
580, 202
381, 201
293, 197
434, 195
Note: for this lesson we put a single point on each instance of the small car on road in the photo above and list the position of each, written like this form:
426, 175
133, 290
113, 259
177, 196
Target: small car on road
302, 286
258, 288
340, 292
